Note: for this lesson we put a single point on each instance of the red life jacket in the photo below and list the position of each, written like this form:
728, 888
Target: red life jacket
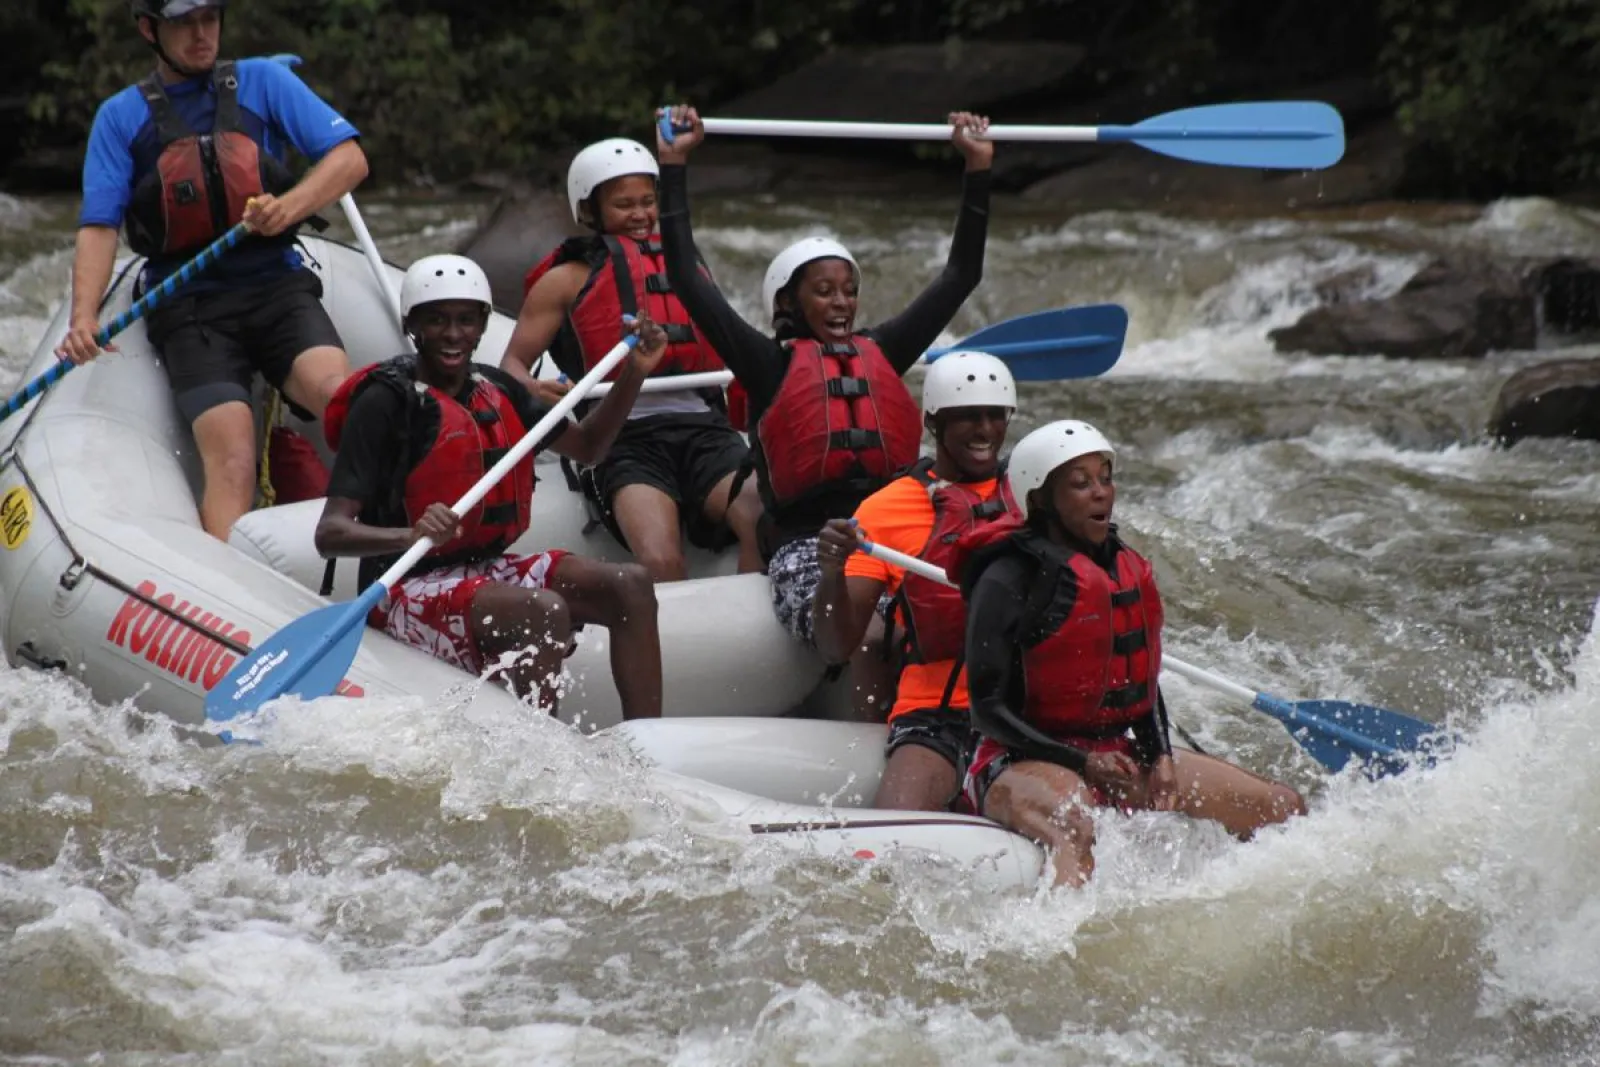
201, 182
638, 271
738, 407
934, 614
841, 413
472, 437
297, 471
1094, 673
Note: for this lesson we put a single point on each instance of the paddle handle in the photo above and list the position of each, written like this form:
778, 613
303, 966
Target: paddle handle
169, 285
673, 383
934, 131
1206, 678
517, 454
915, 565
369, 248
716, 379
893, 131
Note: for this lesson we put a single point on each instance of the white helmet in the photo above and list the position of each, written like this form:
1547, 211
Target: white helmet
787, 263
443, 278
602, 161
1047, 448
968, 380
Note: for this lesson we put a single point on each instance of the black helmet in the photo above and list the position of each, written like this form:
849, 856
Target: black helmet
170, 9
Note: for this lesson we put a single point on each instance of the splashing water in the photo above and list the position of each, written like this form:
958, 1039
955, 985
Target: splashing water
426, 882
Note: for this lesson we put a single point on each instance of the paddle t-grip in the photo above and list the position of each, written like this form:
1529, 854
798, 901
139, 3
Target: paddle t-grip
669, 132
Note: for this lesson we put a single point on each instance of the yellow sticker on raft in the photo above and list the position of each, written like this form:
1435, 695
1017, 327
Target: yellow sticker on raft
16, 517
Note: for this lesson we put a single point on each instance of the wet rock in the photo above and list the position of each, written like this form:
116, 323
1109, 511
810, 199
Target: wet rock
1446, 311
1347, 285
1569, 295
1556, 399
520, 230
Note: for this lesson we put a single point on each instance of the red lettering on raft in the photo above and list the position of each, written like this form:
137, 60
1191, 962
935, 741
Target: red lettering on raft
182, 650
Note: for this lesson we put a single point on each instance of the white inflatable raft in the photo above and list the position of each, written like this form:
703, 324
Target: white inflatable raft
803, 784
107, 575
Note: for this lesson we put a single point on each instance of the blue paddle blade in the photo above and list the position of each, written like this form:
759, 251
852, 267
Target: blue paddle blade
1378, 724
1048, 346
1334, 731
1277, 135
307, 658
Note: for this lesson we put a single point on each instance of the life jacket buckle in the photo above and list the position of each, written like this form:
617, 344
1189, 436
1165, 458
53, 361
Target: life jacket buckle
855, 439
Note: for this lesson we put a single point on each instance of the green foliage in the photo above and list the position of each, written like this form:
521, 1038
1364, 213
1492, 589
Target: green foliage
441, 89
1498, 96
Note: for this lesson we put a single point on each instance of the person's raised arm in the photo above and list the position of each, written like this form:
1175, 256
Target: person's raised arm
752, 356
909, 334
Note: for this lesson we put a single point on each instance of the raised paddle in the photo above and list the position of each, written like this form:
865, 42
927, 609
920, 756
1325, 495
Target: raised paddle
1044, 346
1331, 730
1275, 135
310, 656
170, 284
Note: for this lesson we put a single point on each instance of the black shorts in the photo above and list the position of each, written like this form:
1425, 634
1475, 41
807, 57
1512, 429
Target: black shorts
212, 343
947, 731
683, 455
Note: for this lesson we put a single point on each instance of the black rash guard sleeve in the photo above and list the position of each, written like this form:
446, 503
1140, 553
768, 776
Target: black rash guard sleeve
909, 334
994, 667
755, 359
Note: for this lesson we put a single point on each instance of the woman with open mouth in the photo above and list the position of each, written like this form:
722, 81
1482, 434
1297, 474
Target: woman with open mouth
1063, 657
833, 421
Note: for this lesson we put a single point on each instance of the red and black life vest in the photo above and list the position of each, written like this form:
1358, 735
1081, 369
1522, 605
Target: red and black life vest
201, 182
471, 438
934, 614
738, 406
841, 414
1094, 672
637, 272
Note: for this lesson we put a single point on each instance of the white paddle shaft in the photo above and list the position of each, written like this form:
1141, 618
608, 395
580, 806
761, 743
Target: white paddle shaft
1188, 670
894, 131
516, 455
1206, 678
672, 383
380, 270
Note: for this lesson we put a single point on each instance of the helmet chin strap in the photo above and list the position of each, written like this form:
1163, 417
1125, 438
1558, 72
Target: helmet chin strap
155, 45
